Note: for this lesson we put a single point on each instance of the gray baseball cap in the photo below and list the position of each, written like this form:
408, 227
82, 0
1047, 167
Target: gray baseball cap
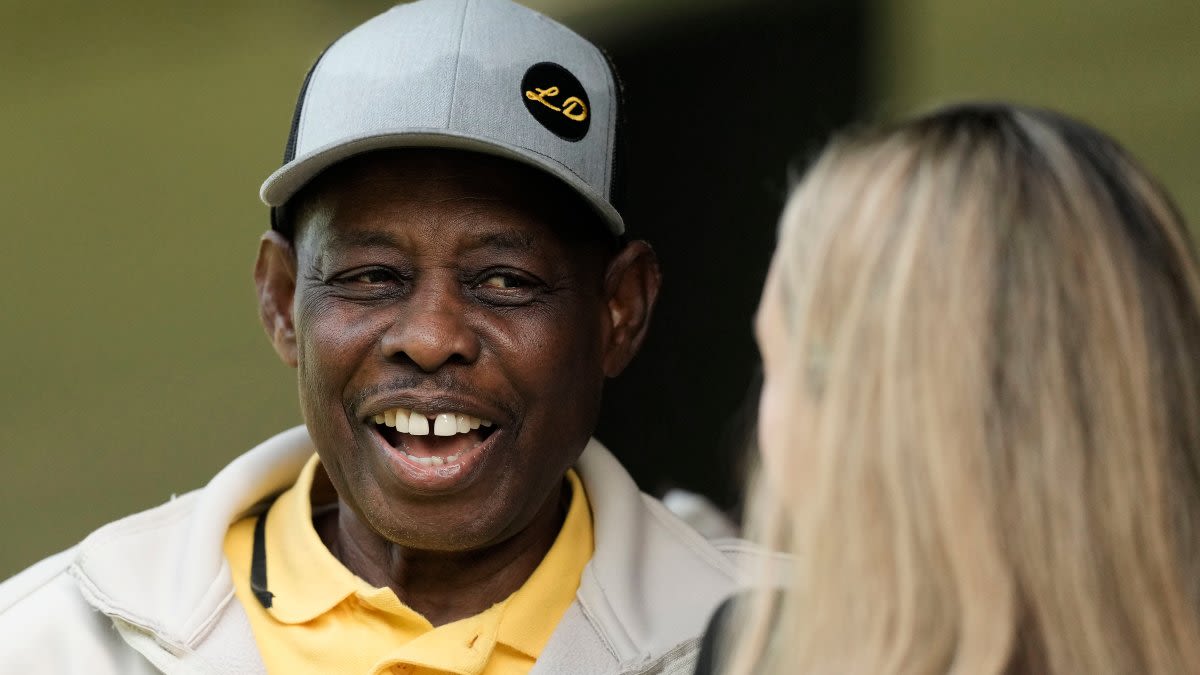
487, 76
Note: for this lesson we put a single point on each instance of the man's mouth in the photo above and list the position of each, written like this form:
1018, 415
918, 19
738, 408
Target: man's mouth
432, 438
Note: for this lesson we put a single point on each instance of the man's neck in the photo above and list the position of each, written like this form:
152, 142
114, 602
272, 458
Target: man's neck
444, 586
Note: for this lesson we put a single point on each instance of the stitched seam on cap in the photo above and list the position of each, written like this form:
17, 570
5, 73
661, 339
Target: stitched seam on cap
305, 107
462, 31
610, 129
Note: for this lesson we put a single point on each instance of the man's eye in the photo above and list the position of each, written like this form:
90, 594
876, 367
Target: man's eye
369, 277
503, 281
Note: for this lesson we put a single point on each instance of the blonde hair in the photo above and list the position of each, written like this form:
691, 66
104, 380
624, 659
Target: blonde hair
993, 320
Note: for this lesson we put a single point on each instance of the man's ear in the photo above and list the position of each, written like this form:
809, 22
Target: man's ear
275, 279
631, 286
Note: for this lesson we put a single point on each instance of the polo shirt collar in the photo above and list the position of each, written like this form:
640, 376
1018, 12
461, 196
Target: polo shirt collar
306, 580
551, 588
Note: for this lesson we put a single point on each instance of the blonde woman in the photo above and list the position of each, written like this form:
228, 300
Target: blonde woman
980, 425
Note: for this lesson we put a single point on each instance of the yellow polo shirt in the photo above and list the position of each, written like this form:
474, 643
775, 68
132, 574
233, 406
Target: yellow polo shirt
325, 619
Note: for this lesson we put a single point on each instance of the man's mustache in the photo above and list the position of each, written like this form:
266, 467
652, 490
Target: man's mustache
440, 382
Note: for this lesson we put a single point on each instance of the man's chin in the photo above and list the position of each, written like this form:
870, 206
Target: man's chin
436, 526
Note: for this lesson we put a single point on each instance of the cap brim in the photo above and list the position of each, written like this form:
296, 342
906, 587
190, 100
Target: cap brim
291, 177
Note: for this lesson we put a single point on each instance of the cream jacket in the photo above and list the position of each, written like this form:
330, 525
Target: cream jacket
152, 593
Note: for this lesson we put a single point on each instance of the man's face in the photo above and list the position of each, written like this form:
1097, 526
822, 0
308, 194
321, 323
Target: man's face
430, 284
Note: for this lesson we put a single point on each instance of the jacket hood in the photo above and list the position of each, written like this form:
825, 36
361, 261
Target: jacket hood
180, 579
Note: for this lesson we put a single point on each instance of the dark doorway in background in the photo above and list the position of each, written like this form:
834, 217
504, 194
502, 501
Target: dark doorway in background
720, 104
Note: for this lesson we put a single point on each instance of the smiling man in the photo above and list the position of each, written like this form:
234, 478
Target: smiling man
448, 276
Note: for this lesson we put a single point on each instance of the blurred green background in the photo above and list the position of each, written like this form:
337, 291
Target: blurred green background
135, 136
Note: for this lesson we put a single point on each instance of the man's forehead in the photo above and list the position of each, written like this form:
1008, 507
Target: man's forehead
433, 172
375, 199
395, 234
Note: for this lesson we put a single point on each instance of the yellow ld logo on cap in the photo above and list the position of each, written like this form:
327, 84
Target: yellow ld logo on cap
557, 100
572, 107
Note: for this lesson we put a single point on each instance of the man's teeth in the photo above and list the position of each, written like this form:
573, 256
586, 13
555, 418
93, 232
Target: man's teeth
435, 460
445, 425
417, 424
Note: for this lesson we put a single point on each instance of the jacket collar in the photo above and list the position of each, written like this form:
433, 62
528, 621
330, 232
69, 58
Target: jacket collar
650, 585
653, 580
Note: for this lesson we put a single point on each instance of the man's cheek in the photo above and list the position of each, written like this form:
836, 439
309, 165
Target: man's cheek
323, 367
333, 335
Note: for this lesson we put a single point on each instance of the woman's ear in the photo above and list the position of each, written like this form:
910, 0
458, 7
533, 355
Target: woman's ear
275, 279
631, 286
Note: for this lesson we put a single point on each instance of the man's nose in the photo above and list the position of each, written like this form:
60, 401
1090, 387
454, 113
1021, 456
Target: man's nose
431, 327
